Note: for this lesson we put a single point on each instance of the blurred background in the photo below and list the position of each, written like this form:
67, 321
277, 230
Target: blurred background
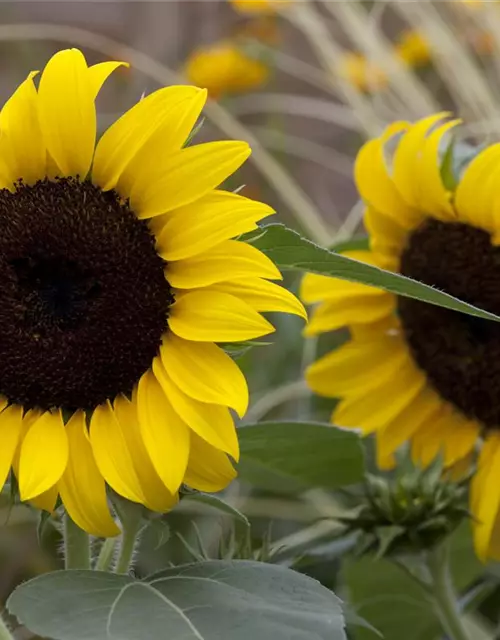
305, 82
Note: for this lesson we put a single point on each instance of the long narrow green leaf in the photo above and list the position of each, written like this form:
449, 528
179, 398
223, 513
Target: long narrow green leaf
289, 250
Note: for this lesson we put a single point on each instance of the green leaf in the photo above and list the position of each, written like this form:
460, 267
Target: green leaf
358, 243
160, 531
291, 456
212, 600
389, 599
217, 503
289, 250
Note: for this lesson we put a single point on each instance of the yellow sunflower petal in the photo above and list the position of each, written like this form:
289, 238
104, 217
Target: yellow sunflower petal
385, 461
210, 316
99, 73
319, 288
43, 456
111, 454
380, 405
212, 266
494, 546
375, 185
29, 418
487, 494
487, 454
128, 135
165, 435
208, 468
185, 176
434, 196
157, 496
47, 500
356, 366
477, 189
23, 148
386, 235
205, 372
461, 440
67, 112
356, 310
168, 138
262, 295
82, 486
199, 226
10, 431
212, 422
424, 407
448, 433
408, 156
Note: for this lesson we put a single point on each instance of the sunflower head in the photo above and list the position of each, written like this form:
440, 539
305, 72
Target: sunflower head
409, 513
225, 68
414, 372
120, 275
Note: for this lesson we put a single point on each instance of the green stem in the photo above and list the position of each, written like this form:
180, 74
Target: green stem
443, 595
76, 546
105, 555
5, 634
131, 519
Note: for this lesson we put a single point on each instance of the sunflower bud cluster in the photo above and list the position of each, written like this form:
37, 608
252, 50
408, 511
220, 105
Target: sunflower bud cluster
407, 513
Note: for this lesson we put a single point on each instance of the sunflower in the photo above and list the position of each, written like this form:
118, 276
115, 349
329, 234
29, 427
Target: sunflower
119, 275
224, 69
412, 371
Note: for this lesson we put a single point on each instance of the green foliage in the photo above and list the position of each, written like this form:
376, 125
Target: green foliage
216, 503
409, 513
289, 250
389, 599
292, 456
204, 601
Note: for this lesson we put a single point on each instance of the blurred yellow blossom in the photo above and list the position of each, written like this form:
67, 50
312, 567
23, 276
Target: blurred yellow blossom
361, 73
258, 6
264, 29
223, 68
483, 42
413, 48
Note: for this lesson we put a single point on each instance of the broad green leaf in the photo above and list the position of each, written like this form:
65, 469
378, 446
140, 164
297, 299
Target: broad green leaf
289, 250
389, 599
212, 600
292, 456
218, 504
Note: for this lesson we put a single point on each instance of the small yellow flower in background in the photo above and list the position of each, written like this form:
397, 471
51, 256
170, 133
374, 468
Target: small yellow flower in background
483, 42
413, 371
119, 276
413, 48
264, 29
224, 68
259, 6
361, 73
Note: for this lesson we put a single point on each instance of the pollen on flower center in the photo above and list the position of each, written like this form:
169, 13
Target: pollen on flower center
459, 353
83, 296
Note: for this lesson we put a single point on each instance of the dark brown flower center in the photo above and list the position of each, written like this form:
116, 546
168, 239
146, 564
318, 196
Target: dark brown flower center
459, 353
83, 297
